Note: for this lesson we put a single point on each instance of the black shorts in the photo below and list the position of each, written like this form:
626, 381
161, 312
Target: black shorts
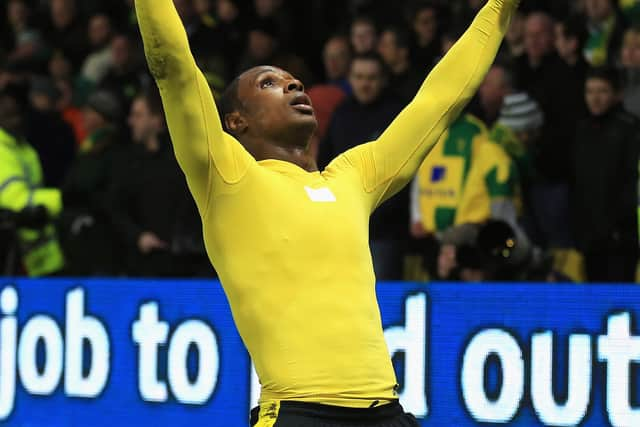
302, 414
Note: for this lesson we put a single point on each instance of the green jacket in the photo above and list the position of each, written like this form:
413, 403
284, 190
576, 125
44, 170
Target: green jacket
20, 187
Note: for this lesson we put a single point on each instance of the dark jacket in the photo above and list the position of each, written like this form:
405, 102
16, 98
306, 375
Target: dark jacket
86, 224
604, 187
151, 195
353, 124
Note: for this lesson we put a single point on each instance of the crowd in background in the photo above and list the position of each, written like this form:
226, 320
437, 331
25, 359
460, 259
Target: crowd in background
537, 179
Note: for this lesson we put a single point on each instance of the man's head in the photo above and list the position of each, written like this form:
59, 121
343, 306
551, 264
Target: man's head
571, 36
17, 13
631, 49
364, 35
266, 103
11, 114
538, 36
121, 52
599, 11
336, 57
146, 118
523, 116
602, 90
263, 40
496, 86
424, 21
63, 12
102, 109
394, 49
100, 30
367, 77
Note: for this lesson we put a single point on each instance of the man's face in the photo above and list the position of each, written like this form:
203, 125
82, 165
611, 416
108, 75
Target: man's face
493, 89
538, 37
600, 96
143, 123
388, 48
11, 118
631, 50
363, 37
425, 25
274, 103
99, 30
367, 80
566, 47
337, 57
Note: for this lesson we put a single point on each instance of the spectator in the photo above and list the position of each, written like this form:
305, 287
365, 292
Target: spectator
361, 118
394, 48
630, 58
426, 45
541, 74
97, 64
125, 78
515, 36
497, 84
27, 50
466, 179
571, 36
604, 182
605, 32
21, 188
232, 32
88, 234
153, 211
67, 32
336, 57
48, 133
364, 35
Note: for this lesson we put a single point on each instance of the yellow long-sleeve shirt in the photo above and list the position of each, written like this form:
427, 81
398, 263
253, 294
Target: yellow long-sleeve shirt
291, 247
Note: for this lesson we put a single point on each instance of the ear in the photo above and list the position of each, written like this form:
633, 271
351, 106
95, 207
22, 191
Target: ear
236, 123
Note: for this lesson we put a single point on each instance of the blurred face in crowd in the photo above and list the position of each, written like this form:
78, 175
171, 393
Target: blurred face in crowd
62, 12
92, 120
367, 80
144, 124
337, 57
538, 36
425, 25
363, 36
120, 52
99, 30
17, 14
59, 67
266, 7
262, 46
494, 88
598, 10
10, 116
202, 7
567, 47
392, 54
600, 96
631, 49
515, 33
274, 107
226, 10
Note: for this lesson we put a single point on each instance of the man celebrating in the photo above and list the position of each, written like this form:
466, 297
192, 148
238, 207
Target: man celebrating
289, 242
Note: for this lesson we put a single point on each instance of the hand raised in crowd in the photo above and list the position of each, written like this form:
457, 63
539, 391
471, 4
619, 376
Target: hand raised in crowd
149, 242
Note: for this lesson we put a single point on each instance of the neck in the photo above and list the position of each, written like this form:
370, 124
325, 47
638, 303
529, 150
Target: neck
152, 144
299, 155
400, 67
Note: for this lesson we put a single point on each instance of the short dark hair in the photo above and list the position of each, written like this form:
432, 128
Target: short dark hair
574, 27
608, 74
230, 101
373, 57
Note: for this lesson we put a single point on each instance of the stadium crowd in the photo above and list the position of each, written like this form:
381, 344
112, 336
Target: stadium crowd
537, 180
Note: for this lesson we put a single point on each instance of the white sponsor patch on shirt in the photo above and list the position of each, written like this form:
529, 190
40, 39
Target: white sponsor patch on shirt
320, 195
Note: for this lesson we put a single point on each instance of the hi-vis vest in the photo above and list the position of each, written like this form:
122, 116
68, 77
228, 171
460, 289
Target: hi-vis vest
20, 187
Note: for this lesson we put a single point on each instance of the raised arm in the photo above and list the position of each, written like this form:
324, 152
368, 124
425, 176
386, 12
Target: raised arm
205, 152
390, 162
